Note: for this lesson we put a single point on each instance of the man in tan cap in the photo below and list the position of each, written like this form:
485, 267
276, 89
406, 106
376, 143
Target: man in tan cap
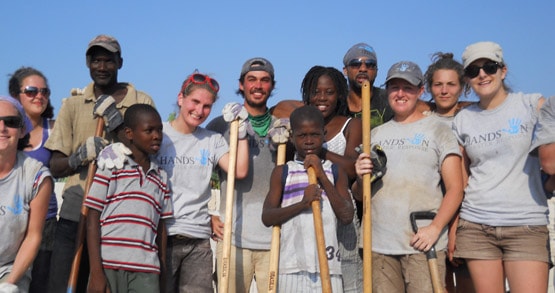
74, 145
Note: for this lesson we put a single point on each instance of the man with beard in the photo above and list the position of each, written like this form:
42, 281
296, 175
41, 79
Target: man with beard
250, 249
361, 64
74, 145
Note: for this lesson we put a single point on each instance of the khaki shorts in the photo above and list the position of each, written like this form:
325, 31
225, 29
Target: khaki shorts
511, 243
404, 273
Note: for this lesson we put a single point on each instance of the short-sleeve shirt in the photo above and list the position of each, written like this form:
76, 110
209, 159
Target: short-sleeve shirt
19, 188
504, 187
74, 124
415, 154
380, 111
248, 231
189, 160
545, 129
131, 202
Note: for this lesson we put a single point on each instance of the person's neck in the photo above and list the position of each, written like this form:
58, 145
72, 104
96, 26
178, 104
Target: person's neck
254, 110
409, 118
116, 90
450, 112
354, 101
142, 159
36, 121
493, 101
7, 162
180, 125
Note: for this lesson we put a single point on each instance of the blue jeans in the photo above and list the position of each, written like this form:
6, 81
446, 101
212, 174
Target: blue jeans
189, 264
62, 258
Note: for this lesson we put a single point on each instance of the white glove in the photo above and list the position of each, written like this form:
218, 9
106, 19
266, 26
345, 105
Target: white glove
8, 288
279, 131
233, 111
113, 156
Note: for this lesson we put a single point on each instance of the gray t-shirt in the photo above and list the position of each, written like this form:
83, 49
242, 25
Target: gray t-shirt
504, 187
545, 129
19, 188
415, 153
189, 160
248, 231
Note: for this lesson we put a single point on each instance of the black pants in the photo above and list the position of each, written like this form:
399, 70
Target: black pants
62, 258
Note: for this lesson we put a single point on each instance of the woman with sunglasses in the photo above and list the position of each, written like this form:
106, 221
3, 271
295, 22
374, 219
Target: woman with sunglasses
502, 228
30, 87
26, 186
326, 88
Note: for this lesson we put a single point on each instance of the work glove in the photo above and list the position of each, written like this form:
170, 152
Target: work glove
379, 161
87, 152
279, 131
76, 91
233, 111
8, 288
105, 107
113, 156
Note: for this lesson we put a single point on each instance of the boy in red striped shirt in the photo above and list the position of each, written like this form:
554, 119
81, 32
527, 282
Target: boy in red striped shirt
126, 234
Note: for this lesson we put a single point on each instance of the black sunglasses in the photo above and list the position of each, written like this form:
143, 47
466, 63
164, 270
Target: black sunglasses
356, 63
12, 121
33, 91
489, 67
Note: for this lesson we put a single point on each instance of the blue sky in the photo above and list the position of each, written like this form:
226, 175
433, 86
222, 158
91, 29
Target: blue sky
164, 41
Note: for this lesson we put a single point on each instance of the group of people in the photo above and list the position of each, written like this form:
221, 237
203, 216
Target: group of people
144, 211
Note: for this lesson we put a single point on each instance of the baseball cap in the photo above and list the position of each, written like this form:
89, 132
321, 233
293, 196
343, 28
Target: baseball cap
19, 107
360, 50
488, 50
406, 70
257, 64
107, 42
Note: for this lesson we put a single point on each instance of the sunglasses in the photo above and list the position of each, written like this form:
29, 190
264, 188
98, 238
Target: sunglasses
33, 91
356, 63
489, 68
12, 121
197, 78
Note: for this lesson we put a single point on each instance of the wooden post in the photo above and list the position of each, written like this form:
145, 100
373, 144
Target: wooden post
320, 240
367, 192
230, 191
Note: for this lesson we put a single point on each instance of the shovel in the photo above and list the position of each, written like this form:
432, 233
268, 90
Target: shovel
431, 255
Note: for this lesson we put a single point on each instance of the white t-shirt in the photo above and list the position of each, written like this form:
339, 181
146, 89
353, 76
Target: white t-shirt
504, 187
189, 160
415, 153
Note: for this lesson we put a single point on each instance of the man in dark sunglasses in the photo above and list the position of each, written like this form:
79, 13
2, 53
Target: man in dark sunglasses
361, 64
74, 145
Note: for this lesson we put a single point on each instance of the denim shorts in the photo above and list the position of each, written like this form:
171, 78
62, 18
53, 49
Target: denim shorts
508, 243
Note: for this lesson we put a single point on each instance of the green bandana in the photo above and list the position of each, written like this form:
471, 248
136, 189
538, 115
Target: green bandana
261, 124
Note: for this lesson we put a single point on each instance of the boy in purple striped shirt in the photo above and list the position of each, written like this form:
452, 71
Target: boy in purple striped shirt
126, 234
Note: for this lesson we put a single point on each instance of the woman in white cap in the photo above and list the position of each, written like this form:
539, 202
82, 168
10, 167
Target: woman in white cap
502, 229
421, 152
26, 187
